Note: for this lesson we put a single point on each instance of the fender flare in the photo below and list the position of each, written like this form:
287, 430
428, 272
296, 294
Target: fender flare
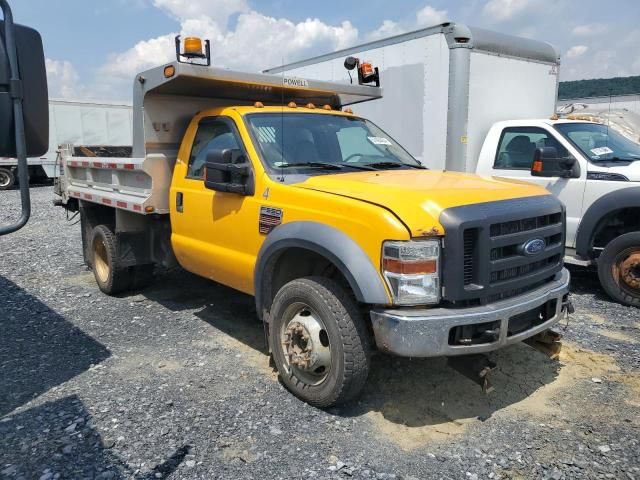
331, 243
605, 205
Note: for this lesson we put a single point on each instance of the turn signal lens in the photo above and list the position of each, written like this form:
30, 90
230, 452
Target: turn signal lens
393, 265
537, 166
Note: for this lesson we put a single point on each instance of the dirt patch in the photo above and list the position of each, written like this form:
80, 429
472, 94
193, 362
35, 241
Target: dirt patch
595, 318
85, 279
617, 335
414, 403
631, 382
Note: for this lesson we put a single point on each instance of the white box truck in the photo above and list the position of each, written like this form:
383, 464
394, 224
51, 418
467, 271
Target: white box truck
446, 85
466, 99
73, 122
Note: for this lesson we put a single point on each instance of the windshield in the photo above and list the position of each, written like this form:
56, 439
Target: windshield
600, 143
309, 143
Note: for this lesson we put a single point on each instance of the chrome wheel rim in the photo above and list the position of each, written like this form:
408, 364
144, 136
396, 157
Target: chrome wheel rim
305, 345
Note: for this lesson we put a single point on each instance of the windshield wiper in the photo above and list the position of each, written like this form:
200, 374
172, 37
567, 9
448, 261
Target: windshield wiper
326, 166
394, 165
322, 165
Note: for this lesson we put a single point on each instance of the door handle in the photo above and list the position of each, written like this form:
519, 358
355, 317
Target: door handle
179, 202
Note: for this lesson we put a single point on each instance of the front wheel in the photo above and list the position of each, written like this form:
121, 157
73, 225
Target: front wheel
320, 345
619, 269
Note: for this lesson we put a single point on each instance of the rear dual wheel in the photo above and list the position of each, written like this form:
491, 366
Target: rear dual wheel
319, 341
619, 269
110, 277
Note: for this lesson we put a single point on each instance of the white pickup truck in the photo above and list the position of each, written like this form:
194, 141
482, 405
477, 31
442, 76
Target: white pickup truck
595, 172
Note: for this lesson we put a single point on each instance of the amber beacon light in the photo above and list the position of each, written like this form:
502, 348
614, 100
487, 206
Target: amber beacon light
190, 51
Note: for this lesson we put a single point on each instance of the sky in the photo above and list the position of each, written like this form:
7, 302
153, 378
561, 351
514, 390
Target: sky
94, 48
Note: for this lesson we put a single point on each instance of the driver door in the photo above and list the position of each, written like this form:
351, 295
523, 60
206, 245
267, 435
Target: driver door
214, 234
514, 157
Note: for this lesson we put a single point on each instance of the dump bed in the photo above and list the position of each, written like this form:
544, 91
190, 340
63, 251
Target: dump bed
165, 99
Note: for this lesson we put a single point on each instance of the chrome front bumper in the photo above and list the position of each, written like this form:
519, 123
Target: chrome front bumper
425, 332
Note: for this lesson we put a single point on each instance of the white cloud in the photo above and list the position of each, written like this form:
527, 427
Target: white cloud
62, 79
389, 28
425, 17
502, 10
577, 51
589, 30
217, 11
257, 42
429, 16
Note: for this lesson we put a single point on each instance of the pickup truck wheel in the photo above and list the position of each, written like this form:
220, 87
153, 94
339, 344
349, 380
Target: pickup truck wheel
110, 279
7, 179
619, 269
320, 345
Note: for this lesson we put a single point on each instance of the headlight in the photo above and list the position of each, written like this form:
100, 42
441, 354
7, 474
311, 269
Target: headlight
412, 271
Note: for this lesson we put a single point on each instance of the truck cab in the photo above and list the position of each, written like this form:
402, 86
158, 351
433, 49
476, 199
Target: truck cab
272, 186
599, 186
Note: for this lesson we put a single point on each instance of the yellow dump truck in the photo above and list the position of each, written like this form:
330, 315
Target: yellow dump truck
270, 185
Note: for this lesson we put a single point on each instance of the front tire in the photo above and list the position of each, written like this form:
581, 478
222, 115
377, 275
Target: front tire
619, 269
319, 341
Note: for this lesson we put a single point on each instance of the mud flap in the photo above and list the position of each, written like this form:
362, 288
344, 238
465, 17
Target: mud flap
475, 367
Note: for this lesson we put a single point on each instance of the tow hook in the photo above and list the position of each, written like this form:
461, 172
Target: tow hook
547, 342
567, 307
475, 367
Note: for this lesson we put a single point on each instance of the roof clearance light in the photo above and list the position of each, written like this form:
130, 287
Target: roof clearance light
292, 105
258, 105
348, 110
169, 71
327, 107
311, 105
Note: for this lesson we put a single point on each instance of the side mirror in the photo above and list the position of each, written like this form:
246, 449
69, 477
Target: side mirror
546, 163
32, 87
228, 171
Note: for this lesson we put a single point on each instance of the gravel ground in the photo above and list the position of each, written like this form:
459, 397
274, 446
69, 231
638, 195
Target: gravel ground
174, 382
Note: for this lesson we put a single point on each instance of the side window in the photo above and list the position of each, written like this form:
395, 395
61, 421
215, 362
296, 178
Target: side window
517, 145
212, 134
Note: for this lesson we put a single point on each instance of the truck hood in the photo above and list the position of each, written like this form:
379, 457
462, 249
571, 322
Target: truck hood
417, 197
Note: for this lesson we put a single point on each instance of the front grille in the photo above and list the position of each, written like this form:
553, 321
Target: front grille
484, 255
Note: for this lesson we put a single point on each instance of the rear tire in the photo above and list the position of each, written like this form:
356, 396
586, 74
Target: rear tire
7, 179
110, 278
331, 366
619, 269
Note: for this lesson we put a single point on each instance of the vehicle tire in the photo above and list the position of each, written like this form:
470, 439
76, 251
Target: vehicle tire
619, 269
319, 341
7, 179
109, 277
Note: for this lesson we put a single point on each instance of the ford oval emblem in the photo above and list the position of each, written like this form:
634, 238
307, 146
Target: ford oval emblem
533, 247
